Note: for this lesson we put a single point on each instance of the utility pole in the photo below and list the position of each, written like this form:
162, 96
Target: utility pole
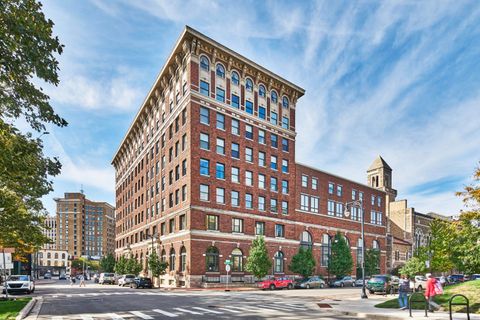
5, 273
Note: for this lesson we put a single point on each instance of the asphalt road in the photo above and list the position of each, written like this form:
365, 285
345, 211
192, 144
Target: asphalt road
63, 302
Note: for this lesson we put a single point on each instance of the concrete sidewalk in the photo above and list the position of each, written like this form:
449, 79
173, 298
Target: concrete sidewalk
365, 309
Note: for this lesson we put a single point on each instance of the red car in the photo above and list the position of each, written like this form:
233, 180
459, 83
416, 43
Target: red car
276, 283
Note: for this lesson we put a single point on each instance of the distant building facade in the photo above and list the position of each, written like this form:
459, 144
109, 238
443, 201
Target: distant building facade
50, 231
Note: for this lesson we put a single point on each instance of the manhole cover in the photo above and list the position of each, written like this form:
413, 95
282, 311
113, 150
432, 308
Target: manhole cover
324, 305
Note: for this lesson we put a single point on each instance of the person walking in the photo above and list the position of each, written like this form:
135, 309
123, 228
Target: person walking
403, 289
431, 291
82, 281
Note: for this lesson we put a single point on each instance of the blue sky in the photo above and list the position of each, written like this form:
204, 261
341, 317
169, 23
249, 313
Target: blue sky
396, 78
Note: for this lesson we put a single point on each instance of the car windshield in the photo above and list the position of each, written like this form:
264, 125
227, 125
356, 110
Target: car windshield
378, 279
108, 275
130, 276
18, 278
145, 279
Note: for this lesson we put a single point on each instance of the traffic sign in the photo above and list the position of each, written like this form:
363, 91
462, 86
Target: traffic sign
227, 268
228, 262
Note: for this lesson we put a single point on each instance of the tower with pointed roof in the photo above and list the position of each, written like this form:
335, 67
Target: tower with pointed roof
379, 176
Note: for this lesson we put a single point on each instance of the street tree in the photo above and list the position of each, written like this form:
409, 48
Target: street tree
303, 262
120, 265
414, 266
341, 262
258, 262
132, 266
439, 250
107, 263
372, 262
156, 265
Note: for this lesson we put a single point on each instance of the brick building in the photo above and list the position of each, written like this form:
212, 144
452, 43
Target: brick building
50, 231
209, 163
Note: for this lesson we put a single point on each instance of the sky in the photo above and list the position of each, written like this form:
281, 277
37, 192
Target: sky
400, 79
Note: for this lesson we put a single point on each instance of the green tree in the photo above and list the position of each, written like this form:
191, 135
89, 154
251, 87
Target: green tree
107, 263
120, 265
132, 266
341, 262
414, 266
303, 262
258, 261
156, 265
372, 262
439, 250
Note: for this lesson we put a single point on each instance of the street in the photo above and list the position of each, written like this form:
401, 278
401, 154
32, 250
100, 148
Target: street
63, 302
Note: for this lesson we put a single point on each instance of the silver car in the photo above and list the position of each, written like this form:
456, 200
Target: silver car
345, 282
125, 280
310, 282
359, 282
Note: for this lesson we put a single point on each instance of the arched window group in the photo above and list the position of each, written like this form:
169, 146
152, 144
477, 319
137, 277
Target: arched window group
164, 256
285, 102
211, 259
249, 85
306, 240
326, 249
237, 260
274, 97
220, 71
172, 259
278, 262
262, 91
183, 259
235, 78
204, 63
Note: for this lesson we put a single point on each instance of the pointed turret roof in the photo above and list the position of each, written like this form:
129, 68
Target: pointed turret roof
379, 163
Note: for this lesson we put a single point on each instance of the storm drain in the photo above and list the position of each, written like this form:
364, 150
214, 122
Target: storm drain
324, 305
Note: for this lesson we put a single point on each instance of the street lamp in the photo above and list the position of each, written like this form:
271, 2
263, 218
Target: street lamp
359, 204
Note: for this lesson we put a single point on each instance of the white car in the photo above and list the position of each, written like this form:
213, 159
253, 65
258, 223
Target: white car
420, 283
125, 280
106, 278
19, 283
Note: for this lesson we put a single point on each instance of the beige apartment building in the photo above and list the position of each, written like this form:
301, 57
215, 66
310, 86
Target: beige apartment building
50, 231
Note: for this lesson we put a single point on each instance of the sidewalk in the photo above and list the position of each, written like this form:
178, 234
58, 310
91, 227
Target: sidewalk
366, 309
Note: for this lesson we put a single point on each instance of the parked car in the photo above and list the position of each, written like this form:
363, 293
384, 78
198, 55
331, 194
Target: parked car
47, 275
19, 283
96, 277
359, 282
141, 282
310, 282
475, 276
125, 280
276, 283
106, 278
456, 278
379, 283
420, 283
62, 276
345, 282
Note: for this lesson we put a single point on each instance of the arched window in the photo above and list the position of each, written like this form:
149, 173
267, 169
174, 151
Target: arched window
375, 245
204, 63
172, 259
326, 249
249, 85
220, 71
262, 91
346, 240
274, 97
237, 259
359, 252
211, 259
285, 103
164, 256
56, 255
63, 255
49, 255
235, 78
306, 240
278, 262
183, 259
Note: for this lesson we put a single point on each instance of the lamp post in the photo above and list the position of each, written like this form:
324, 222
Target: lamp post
359, 204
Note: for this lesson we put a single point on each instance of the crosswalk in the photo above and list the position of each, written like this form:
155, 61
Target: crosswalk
268, 309
96, 294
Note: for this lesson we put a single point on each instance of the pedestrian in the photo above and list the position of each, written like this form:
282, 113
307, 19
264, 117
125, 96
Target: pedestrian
82, 281
403, 289
433, 288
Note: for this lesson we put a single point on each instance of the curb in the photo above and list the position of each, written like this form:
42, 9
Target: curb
363, 315
26, 310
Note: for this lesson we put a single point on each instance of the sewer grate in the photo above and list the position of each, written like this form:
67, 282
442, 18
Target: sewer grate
324, 305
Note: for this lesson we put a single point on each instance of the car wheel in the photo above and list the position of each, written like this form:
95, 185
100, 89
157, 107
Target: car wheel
28, 291
322, 286
290, 286
353, 284
272, 287
342, 285
307, 286
371, 292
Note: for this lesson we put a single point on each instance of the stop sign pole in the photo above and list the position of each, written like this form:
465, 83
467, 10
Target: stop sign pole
227, 268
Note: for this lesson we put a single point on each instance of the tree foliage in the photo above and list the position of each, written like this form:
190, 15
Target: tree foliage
303, 262
132, 266
107, 263
341, 262
156, 265
258, 261
372, 262
120, 265
414, 266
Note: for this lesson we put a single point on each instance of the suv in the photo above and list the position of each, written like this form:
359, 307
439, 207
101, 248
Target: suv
379, 283
345, 281
106, 278
273, 283
19, 283
126, 279
141, 282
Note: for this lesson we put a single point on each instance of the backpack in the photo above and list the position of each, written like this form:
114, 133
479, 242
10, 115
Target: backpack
438, 288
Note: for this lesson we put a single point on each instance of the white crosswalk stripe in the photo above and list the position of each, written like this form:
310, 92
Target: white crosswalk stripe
115, 316
229, 310
207, 310
55, 296
57, 318
280, 308
86, 317
187, 311
69, 295
165, 313
141, 315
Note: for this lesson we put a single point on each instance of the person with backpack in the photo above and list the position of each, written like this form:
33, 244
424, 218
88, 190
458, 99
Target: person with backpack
433, 287
403, 290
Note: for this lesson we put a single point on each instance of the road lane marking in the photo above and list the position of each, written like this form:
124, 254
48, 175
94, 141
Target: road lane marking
187, 311
57, 318
87, 317
141, 315
55, 296
229, 310
69, 295
165, 313
115, 316
207, 310
245, 308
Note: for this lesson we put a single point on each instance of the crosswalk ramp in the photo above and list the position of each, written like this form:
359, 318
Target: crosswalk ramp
270, 309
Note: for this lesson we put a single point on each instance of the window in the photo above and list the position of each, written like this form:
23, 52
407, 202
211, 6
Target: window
304, 200
285, 102
278, 262
261, 159
204, 167
248, 201
261, 181
274, 140
249, 107
285, 124
325, 250
261, 203
273, 205
285, 186
235, 78
306, 240
248, 131
360, 195
204, 141
237, 225
220, 96
330, 188
220, 71
284, 166
235, 151
235, 174
220, 121
339, 191
261, 136
235, 127
273, 162
379, 201
249, 178
183, 259
221, 195
204, 115
204, 192
212, 259
172, 260
259, 228
273, 117
284, 207
184, 142
262, 112
314, 183
314, 204
285, 144
373, 200
220, 146
249, 85
212, 222
235, 199
204, 88
204, 63
235, 101
171, 226
279, 230
249, 154
237, 260
331, 208
261, 91
339, 210
274, 97
220, 171
304, 181
354, 194
273, 184
375, 245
